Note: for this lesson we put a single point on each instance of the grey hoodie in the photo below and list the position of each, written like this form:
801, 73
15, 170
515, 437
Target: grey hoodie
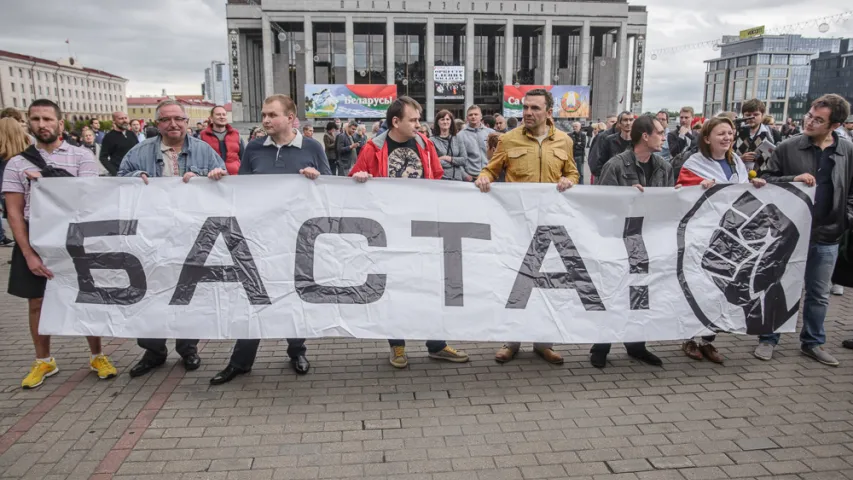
474, 140
455, 148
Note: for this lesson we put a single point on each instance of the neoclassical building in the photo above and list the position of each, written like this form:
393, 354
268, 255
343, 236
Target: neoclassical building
82, 93
278, 46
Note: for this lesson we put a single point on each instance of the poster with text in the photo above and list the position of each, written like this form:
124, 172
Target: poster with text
570, 101
449, 82
348, 101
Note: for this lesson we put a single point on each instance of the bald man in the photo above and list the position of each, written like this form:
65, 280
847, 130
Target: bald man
117, 143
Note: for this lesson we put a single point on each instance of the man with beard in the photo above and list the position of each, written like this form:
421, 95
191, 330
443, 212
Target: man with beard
117, 143
28, 275
402, 152
173, 153
613, 144
224, 139
500, 123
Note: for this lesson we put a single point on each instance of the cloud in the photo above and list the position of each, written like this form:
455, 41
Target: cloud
167, 44
677, 79
155, 44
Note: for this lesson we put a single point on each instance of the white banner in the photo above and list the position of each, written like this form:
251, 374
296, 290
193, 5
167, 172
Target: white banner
284, 256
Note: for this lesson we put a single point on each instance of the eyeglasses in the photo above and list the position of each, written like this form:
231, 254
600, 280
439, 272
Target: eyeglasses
816, 120
172, 119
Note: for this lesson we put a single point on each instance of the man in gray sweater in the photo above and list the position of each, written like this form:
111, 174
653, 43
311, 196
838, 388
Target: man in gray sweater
474, 137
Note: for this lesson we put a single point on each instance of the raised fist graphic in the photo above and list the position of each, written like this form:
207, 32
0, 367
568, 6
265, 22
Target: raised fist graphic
747, 257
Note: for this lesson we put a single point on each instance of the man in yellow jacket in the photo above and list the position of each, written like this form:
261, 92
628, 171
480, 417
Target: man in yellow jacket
537, 153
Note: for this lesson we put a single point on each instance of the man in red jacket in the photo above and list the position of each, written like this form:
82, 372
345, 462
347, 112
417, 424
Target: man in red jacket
402, 152
224, 139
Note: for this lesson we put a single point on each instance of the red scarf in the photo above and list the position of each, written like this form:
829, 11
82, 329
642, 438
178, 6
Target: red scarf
232, 146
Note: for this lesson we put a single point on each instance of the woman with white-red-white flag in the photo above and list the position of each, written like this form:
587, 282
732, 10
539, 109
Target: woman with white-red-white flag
715, 162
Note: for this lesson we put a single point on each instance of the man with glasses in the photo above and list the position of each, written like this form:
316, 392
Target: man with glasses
822, 160
637, 167
171, 154
117, 143
754, 142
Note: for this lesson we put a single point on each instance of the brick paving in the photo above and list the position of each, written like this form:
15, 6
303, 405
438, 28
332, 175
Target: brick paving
354, 416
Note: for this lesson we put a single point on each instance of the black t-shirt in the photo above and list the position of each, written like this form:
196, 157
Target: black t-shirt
646, 169
825, 189
403, 159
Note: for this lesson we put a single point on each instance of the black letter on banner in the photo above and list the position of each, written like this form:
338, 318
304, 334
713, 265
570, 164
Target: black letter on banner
312, 292
452, 235
575, 276
638, 259
244, 269
84, 263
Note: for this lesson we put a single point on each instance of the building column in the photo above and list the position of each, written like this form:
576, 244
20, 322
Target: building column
583, 64
546, 63
469, 62
509, 38
622, 67
430, 67
390, 74
350, 50
266, 32
309, 50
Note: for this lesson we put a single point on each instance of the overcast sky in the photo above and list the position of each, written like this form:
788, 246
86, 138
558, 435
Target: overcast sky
167, 44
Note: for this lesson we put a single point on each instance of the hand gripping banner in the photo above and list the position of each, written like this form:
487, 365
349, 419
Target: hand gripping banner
283, 256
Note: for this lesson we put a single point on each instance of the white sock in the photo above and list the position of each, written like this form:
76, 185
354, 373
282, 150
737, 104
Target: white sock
92, 356
45, 360
702, 342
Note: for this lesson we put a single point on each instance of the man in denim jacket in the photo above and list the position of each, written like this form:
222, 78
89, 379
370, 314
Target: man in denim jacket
173, 153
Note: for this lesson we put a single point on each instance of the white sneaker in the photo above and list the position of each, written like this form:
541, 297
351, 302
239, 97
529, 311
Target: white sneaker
837, 290
764, 351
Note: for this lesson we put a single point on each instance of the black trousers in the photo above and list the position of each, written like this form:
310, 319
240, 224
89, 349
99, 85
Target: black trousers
433, 346
155, 348
245, 351
629, 346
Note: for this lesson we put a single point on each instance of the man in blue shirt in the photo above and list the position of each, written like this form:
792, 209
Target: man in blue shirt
283, 151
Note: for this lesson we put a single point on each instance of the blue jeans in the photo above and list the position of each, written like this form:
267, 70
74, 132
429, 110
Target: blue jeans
819, 266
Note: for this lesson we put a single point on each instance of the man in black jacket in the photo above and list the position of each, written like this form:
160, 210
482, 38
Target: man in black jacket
117, 143
346, 148
637, 167
579, 148
682, 139
820, 159
612, 144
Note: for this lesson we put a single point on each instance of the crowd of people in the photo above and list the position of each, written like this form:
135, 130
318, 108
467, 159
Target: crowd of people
627, 150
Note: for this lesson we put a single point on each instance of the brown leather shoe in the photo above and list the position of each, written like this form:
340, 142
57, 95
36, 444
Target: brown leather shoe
549, 355
505, 354
691, 349
710, 352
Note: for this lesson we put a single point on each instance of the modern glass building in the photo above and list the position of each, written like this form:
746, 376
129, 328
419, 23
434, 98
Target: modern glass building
833, 73
278, 46
772, 68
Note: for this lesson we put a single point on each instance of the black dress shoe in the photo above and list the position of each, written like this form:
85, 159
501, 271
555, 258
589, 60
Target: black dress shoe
225, 376
847, 344
144, 366
300, 364
598, 359
646, 356
192, 362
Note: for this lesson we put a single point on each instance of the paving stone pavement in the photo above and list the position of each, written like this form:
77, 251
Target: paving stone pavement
354, 416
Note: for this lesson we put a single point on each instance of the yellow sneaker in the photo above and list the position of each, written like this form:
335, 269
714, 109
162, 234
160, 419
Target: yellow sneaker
103, 366
398, 357
39, 371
